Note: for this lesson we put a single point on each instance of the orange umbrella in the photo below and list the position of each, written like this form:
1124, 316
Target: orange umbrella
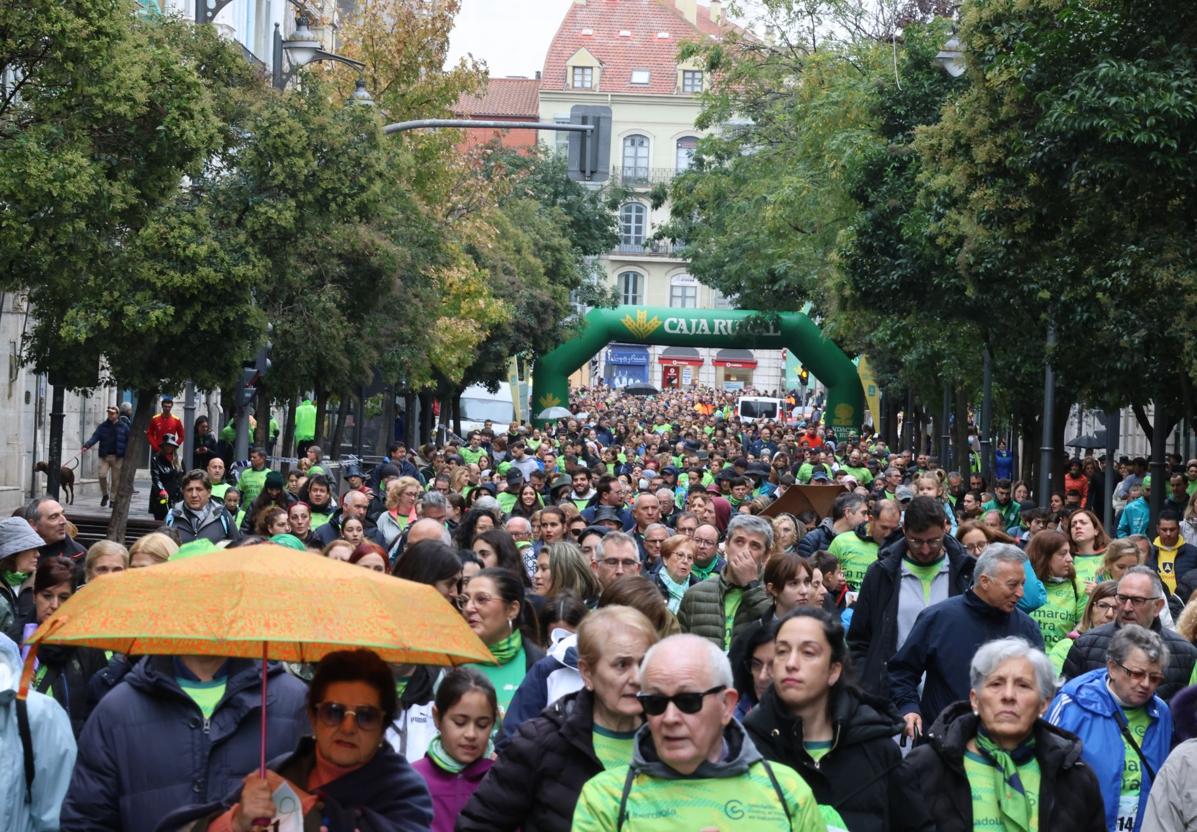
264, 601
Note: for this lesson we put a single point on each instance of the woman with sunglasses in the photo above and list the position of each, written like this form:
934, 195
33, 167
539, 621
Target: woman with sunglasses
1124, 727
346, 777
535, 783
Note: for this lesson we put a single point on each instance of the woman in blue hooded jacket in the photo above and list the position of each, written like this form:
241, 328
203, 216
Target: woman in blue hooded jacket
1126, 730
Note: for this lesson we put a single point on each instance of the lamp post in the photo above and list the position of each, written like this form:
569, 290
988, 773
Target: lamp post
1046, 451
301, 48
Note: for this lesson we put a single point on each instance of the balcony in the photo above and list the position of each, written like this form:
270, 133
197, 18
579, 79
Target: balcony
650, 248
642, 177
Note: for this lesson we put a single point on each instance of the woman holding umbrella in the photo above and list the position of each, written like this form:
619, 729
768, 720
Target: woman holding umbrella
346, 777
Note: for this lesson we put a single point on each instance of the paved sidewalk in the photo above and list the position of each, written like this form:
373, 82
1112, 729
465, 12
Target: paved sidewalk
138, 506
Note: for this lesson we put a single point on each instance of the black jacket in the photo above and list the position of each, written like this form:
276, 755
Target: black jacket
817, 539
535, 783
64, 673
1069, 797
859, 775
873, 634
1089, 652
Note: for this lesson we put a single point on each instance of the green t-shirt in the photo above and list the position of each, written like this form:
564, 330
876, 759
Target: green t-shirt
471, 455
1087, 567
817, 750
855, 555
206, 695
505, 677
1137, 720
747, 801
731, 605
613, 748
1062, 611
984, 779
926, 573
250, 484
862, 474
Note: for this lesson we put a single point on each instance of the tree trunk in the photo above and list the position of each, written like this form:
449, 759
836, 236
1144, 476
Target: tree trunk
54, 449
425, 418
262, 428
321, 407
289, 432
386, 433
960, 446
332, 452
411, 427
136, 451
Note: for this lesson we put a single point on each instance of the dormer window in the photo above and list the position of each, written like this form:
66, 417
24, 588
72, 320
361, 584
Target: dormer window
691, 80
582, 78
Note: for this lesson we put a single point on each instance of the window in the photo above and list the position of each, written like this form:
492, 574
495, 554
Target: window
583, 77
720, 300
640, 76
685, 152
631, 288
683, 292
635, 157
633, 218
561, 138
691, 80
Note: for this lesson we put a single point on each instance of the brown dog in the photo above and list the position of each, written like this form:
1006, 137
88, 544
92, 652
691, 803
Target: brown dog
66, 477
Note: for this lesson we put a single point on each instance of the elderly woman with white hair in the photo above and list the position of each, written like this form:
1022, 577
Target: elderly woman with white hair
993, 763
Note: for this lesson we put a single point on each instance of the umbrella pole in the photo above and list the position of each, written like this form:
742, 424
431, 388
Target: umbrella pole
262, 758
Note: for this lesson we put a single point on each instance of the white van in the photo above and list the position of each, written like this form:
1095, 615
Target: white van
751, 408
479, 404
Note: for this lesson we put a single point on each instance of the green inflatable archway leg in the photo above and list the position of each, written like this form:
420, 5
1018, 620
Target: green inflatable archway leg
666, 326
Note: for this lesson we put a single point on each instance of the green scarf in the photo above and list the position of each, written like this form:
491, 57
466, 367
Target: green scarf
15, 579
442, 760
508, 648
1013, 802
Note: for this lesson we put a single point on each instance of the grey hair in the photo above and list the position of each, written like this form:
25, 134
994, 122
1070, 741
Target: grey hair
751, 524
654, 526
487, 503
618, 538
994, 654
1149, 572
511, 520
1130, 637
716, 660
996, 554
433, 499
33, 509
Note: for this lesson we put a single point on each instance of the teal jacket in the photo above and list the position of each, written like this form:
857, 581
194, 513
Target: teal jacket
53, 756
1135, 518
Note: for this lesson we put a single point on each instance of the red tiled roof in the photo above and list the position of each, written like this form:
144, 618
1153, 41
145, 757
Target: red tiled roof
641, 49
503, 97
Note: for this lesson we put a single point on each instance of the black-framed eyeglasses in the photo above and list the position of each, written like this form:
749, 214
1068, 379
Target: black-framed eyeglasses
1142, 675
333, 714
688, 702
1135, 600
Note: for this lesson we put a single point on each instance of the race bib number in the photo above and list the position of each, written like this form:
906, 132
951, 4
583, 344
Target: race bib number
1128, 810
288, 810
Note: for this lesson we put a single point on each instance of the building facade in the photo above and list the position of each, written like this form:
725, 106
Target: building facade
623, 54
509, 100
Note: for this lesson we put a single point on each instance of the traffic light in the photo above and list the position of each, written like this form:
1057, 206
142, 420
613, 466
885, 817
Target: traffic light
590, 152
803, 375
248, 387
251, 374
262, 361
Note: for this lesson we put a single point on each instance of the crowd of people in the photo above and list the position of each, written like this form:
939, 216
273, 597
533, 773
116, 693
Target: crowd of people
671, 648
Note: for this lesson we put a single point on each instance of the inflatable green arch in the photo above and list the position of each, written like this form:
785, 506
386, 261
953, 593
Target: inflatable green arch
667, 326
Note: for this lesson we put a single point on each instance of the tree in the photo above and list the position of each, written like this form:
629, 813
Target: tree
128, 262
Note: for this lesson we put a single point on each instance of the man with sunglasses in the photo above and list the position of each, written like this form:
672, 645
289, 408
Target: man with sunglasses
692, 763
1123, 724
1140, 599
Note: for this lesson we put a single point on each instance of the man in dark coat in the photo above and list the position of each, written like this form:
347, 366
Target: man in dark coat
1140, 598
166, 737
946, 636
896, 589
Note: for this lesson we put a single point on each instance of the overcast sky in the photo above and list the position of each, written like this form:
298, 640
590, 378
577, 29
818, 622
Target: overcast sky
512, 36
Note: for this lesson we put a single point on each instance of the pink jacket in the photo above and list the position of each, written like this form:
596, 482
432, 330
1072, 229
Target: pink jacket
450, 792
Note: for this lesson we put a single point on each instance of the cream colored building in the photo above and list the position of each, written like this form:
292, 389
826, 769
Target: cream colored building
622, 54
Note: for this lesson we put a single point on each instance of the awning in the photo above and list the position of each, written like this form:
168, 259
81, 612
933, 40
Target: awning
680, 357
735, 358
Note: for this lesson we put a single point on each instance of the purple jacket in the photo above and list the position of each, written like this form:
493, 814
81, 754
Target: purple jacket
450, 792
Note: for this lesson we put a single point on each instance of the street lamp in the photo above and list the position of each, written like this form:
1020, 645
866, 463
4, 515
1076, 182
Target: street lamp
302, 47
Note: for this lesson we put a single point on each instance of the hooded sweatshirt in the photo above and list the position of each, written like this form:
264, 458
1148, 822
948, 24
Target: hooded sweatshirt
660, 798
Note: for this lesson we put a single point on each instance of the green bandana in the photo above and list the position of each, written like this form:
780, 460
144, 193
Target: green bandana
1013, 802
507, 649
438, 755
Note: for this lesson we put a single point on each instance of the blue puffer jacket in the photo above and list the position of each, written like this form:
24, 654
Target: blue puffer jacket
112, 437
146, 749
1086, 707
